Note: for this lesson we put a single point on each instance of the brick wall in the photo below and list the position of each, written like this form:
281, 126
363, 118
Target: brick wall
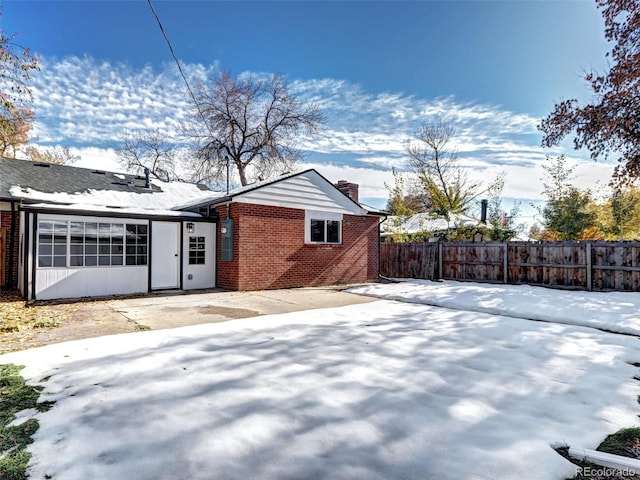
269, 251
5, 225
227, 272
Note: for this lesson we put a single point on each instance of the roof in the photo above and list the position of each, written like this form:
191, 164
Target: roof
66, 185
296, 193
82, 189
221, 197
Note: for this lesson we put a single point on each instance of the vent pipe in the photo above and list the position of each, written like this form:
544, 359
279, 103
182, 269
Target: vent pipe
147, 178
483, 210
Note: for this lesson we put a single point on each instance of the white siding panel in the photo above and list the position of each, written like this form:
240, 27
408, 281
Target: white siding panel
308, 191
73, 282
89, 282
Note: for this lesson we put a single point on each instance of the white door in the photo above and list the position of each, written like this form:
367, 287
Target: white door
165, 255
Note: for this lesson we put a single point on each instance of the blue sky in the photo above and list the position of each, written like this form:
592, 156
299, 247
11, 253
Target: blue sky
378, 69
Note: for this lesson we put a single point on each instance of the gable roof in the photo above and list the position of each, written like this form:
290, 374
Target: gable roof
307, 189
66, 185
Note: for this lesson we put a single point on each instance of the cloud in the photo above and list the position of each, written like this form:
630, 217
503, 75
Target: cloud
85, 103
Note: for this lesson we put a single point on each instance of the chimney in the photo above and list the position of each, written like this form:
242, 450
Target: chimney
147, 178
483, 210
349, 189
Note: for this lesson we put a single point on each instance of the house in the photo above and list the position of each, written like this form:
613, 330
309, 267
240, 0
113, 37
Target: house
72, 232
426, 222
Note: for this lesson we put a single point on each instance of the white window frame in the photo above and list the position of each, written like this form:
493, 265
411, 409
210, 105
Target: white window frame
67, 221
321, 216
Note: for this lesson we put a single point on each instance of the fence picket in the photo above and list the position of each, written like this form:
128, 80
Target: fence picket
589, 265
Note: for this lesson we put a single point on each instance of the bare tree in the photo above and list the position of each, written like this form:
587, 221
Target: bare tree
437, 166
148, 149
55, 155
252, 123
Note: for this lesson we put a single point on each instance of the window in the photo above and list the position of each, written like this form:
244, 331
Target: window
136, 244
325, 231
52, 244
91, 244
196, 251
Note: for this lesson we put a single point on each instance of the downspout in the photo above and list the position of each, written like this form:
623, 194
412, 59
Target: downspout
12, 245
380, 247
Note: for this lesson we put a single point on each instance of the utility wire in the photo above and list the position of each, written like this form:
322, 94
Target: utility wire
175, 58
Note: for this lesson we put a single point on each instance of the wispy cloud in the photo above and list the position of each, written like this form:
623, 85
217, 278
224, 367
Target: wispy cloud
85, 103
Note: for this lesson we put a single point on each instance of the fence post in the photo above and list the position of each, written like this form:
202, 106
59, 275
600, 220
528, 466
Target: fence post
440, 272
505, 265
589, 268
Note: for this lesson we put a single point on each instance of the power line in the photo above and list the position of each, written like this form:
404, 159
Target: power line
175, 58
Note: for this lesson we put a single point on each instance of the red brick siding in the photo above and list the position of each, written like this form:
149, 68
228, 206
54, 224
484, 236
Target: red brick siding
5, 224
269, 251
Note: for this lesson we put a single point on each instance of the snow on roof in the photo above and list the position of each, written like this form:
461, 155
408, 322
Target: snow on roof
165, 197
421, 222
64, 184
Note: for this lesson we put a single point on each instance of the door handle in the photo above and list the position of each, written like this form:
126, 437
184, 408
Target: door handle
176, 255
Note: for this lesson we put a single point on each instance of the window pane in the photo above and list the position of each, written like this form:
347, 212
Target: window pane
60, 250
76, 261
104, 260
131, 260
91, 232
76, 249
46, 228
117, 249
116, 260
317, 230
60, 239
46, 238
59, 261
60, 228
46, 250
142, 229
142, 260
91, 261
77, 232
44, 261
104, 249
90, 249
333, 231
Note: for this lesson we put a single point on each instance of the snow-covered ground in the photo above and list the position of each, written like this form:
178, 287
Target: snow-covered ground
384, 390
612, 311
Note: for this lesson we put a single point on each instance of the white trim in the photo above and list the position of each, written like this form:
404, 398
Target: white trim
317, 215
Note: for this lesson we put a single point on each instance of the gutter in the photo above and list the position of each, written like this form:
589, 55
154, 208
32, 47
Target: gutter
379, 242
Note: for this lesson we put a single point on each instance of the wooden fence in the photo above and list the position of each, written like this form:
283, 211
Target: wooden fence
409, 260
575, 265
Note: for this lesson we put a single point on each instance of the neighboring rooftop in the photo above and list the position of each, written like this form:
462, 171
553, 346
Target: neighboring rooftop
425, 222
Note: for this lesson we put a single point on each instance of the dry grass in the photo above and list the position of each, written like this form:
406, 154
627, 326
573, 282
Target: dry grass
19, 321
